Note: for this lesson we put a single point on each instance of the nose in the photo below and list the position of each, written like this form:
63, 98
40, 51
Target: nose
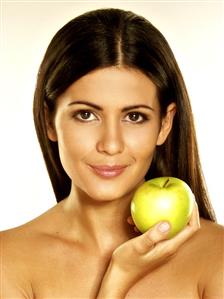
111, 140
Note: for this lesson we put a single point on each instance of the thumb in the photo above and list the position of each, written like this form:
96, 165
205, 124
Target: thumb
144, 243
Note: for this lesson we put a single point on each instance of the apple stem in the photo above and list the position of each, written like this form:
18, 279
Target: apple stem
166, 182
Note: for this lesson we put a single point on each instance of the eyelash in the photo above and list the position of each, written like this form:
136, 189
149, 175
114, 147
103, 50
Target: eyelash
79, 112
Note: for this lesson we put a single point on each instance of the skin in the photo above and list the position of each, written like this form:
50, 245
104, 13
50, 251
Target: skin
85, 246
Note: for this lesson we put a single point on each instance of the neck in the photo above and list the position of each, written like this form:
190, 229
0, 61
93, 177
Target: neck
104, 224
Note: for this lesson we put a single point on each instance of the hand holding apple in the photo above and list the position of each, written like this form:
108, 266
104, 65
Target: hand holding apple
162, 199
142, 254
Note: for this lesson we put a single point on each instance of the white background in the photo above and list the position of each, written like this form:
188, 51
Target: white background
195, 31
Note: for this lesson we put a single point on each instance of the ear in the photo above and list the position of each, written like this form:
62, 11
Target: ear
51, 131
167, 123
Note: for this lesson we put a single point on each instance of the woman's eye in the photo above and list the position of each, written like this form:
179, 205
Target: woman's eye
85, 115
136, 117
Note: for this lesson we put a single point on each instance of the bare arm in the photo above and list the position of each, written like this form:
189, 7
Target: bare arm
213, 281
13, 283
215, 287
141, 255
11, 288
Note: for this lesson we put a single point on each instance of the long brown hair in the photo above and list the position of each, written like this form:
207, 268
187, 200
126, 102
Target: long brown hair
114, 37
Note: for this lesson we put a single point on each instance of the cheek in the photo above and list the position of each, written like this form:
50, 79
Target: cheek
142, 147
142, 143
74, 144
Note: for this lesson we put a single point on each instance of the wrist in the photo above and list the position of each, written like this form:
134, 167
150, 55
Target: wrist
114, 283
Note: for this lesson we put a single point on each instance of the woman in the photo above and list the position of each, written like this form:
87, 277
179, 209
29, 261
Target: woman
111, 110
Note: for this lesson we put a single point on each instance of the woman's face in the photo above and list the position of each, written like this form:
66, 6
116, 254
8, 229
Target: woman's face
107, 125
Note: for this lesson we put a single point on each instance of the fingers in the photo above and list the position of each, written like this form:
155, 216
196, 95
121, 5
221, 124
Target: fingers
158, 233
195, 220
131, 222
191, 228
149, 239
171, 246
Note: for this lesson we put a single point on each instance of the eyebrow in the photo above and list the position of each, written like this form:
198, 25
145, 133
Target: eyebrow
101, 109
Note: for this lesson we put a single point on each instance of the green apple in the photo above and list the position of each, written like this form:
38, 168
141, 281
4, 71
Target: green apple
162, 199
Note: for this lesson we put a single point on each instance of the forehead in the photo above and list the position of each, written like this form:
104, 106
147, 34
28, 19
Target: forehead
113, 86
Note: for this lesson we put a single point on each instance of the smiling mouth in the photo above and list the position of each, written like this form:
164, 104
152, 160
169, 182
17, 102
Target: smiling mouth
106, 171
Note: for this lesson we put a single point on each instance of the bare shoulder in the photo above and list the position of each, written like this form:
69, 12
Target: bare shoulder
210, 244
207, 243
211, 236
18, 251
22, 239
15, 251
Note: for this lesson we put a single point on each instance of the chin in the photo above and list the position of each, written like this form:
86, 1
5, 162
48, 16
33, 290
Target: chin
109, 192
105, 196
105, 190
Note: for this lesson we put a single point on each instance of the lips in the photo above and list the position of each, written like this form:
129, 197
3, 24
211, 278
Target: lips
107, 171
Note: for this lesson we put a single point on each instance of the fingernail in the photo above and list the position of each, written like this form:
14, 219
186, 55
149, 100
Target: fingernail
164, 227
